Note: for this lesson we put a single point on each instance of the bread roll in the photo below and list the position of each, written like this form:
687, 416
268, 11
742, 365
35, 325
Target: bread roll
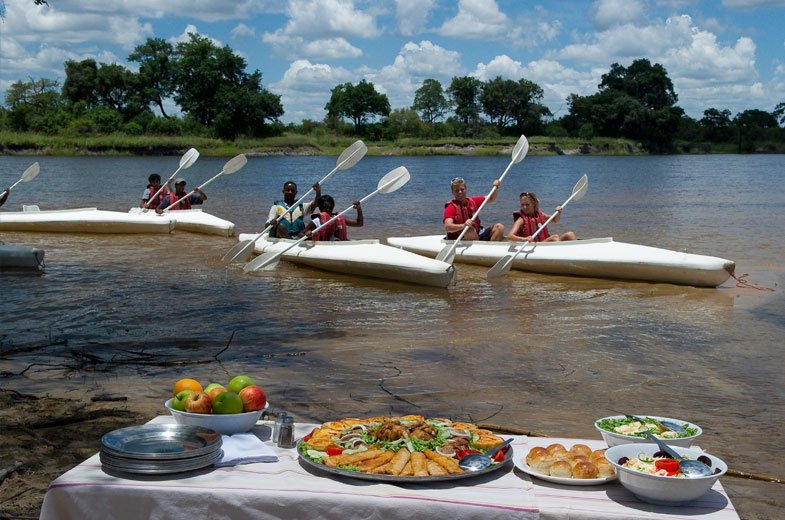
604, 468
576, 459
560, 468
597, 455
580, 449
585, 470
556, 446
539, 450
541, 462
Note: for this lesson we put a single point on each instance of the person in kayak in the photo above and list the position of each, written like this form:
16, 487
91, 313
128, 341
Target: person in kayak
335, 230
179, 196
290, 224
153, 185
530, 217
459, 211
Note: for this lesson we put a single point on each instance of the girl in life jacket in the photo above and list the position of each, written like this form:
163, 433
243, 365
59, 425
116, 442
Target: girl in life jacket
335, 229
529, 219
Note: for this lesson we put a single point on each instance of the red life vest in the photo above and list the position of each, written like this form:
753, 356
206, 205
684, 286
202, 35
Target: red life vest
532, 224
154, 203
335, 230
462, 214
184, 203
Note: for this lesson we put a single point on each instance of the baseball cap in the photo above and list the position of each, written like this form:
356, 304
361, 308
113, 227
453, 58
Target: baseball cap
179, 180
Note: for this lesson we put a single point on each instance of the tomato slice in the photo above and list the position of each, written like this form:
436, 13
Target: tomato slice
310, 435
499, 455
671, 466
462, 453
332, 449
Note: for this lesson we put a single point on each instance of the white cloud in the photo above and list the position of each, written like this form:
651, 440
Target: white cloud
609, 13
412, 15
324, 18
203, 10
295, 47
242, 31
476, 19
305, 88
190, 28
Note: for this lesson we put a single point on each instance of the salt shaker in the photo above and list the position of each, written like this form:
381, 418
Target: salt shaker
279, 417
286, 434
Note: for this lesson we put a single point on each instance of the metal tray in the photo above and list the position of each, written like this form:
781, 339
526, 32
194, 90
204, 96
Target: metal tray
397, 478
161, 441
163, 467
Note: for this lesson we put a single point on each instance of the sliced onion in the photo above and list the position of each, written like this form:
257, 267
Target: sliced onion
350, 436
455, 432
359, 427
357, 443
446, 450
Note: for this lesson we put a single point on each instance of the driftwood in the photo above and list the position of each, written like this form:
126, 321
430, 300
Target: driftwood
9, 469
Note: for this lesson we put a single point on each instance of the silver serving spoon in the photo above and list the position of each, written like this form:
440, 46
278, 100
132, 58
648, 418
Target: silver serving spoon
669, 425
691, 468
478, 461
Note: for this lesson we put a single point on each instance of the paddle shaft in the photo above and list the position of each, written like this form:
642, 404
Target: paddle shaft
170, 206
188, 159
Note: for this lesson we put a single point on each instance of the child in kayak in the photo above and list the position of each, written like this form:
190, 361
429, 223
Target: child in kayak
529, 219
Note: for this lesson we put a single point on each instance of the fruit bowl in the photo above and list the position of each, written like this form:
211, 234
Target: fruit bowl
226, 424
662, 490
614, 439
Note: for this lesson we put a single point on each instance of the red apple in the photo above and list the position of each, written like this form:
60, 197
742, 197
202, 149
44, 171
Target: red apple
253, 398
213, 389
198, 402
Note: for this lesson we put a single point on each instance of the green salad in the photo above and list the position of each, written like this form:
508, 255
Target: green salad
636, 428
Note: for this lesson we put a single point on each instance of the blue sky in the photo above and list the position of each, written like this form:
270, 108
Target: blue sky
727, 54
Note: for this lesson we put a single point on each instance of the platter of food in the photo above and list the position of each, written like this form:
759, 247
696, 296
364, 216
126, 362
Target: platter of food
407, 448
577, 466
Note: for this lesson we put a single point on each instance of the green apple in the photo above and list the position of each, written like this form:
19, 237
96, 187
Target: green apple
178, 401
227, 402
214, 389
238, 383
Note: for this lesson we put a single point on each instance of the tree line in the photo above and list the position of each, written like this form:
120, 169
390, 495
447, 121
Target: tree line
217, 98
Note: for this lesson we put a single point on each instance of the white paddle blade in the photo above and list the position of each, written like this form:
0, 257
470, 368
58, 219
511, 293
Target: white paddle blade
501, 267
31, 172
351, 155
241, 251
394, 180
446, 255
189, 158
520, 150
267, 260
580, 188
234, 164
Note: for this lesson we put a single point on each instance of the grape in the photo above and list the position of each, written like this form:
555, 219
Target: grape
623, 461
706, 460
661, 455
717, 471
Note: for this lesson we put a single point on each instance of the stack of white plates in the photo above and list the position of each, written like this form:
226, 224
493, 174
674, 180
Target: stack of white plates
155, 449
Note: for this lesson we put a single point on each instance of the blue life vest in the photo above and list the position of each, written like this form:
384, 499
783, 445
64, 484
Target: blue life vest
293, 221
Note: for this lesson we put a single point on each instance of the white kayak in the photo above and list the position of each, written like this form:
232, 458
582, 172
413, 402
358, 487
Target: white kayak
597, 258
366, 258
193, 220
81, 220
21, 257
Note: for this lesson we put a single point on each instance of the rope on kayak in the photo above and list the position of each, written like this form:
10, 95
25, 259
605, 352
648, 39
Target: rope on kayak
742, 283
730, 473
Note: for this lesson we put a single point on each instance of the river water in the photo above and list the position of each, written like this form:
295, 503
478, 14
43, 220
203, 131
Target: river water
544, 353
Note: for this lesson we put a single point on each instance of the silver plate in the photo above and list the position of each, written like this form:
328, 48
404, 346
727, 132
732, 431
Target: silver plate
161, 441
397, 478
163, 467
175, 464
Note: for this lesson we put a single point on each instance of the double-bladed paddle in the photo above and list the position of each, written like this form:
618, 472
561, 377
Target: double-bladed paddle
447, 254
505, 263
231, 166
186, 161
388, 184
242, 251
29, 174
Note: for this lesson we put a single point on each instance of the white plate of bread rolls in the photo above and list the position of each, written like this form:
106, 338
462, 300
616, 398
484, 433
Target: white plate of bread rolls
576, 465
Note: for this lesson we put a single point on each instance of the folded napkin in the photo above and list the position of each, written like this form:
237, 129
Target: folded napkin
244, 448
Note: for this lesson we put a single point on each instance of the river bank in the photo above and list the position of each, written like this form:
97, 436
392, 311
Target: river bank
315, 145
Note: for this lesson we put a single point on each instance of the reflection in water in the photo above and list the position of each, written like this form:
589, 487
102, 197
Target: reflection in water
543, 353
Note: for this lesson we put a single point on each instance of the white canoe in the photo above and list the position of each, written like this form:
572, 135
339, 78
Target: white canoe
81, 220
21, 257
366, 258
597, 258
193, 220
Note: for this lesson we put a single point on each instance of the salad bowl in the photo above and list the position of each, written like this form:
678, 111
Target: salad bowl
614, 430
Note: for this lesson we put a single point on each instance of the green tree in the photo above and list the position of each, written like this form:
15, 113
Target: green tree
779, 113
117, 88
211, 86
357, 103
430, 101
35, 106
80, 80
717, 125
156, 77
464, 92
514, 105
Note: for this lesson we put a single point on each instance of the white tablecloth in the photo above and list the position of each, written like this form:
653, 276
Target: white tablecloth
287, 489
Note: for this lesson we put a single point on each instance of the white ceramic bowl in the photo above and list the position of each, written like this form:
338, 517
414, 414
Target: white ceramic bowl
662, 490
226, 424
615, 439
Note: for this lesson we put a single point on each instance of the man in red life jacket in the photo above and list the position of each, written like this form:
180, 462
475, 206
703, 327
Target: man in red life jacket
153, 185
179, 196
459, 213
529, 219
335, 230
